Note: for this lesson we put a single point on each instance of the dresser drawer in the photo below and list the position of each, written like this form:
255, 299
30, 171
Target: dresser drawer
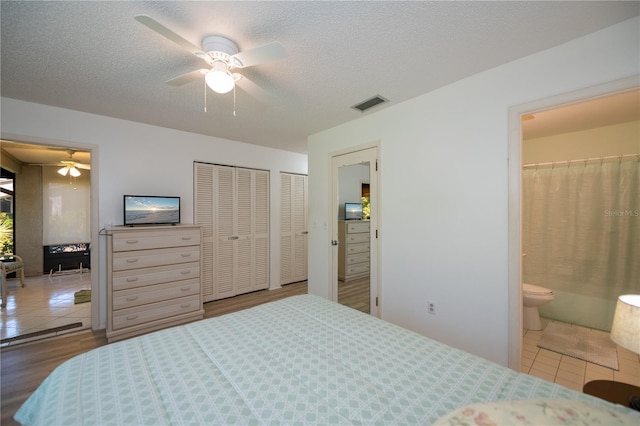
358, 248
155, 311
169, 291
133, 278
357, 238
357, 258
142, 240
357, 227
125, 260
360, 268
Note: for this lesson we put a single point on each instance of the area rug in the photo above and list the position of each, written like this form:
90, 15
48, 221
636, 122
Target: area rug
580, 343
82, 296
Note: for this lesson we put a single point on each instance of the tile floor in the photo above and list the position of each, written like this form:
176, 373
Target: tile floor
45, 302
570, 372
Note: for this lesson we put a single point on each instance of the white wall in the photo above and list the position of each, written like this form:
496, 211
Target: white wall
445, 154
618, 139
129, 157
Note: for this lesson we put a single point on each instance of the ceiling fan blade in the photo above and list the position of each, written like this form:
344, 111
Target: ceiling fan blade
167, 33
83, 166
188, 77
251, 89
47, 164
259, 55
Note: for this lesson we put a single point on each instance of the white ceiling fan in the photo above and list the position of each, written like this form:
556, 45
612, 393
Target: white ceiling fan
222, 56
68, 166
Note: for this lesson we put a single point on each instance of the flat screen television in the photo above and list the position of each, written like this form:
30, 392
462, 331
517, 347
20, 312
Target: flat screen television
151, 210
353, 211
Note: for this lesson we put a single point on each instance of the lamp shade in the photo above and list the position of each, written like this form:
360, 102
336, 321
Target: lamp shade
71, 170
219, 79
625, 330
74, 172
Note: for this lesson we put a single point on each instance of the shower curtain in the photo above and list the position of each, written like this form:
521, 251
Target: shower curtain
581, 236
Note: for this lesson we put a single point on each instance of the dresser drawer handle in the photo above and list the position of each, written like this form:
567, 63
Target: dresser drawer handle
131, 317
185, 305
132, 241
185, 272
132, 298
186, 238
186, 255
185, 289
132, 279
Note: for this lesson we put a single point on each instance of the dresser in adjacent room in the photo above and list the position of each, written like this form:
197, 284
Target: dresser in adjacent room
353, 251
153, 278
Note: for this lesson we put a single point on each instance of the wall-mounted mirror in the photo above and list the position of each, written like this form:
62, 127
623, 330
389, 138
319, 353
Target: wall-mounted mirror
354, 251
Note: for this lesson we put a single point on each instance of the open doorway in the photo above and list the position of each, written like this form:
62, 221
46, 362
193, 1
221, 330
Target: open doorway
516, 116
355, 230
51, 215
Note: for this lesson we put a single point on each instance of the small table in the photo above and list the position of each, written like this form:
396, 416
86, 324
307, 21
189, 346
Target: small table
615, 392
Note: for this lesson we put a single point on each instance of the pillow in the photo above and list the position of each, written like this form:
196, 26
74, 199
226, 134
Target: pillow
536, 412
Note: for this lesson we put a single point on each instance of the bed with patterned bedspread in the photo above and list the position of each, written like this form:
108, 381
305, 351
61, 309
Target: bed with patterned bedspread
300, 360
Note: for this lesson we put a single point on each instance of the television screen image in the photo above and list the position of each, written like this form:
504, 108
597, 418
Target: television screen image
353, 211
151, 210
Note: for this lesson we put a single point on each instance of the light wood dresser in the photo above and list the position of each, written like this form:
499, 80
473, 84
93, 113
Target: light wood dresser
353, 251
153, 278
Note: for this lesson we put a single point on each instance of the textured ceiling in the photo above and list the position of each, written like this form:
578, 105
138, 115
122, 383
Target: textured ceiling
93, 56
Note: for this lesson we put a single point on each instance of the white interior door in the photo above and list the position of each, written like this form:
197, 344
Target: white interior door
365, 156
293, 228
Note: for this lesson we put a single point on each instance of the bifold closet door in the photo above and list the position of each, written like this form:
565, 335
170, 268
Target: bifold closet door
252, 230
203, 183
225, 254
234, 202
293, 227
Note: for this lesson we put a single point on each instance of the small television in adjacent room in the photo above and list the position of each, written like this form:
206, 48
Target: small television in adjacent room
151, 210
353, 211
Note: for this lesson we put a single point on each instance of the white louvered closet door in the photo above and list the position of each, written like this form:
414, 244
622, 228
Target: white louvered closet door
293, 225
261, 231
225, 225
300, 227
204, 216
232, 206
286, 230
244, 232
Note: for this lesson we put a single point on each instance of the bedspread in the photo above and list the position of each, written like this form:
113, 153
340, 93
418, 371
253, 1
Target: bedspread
300, 360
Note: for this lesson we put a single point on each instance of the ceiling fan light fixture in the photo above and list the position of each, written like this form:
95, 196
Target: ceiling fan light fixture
71, 170
219, 79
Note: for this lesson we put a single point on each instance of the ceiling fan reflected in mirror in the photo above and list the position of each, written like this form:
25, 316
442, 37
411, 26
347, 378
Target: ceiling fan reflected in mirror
68, 166
222, 57
71, 167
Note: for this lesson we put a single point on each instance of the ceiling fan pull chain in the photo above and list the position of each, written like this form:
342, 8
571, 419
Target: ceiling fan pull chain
234, 100
205, 96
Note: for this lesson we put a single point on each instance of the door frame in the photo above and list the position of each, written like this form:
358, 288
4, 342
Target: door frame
358, 155
515, 196
98, 313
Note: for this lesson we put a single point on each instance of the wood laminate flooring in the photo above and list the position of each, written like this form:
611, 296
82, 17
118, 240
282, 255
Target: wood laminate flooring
25, 366
355, 294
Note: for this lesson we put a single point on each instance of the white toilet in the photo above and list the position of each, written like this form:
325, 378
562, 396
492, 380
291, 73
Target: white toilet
532, 297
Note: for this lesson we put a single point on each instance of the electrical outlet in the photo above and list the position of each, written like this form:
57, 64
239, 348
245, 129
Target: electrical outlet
431, 307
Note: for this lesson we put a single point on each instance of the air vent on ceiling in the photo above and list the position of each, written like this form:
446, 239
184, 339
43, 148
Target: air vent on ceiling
370, 103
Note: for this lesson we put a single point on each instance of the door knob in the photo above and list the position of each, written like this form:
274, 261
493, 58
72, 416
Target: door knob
334, 242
